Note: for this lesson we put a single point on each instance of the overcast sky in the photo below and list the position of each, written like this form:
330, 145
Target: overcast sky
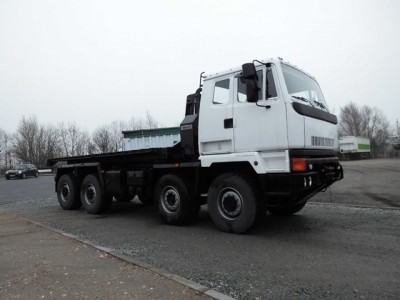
95, 61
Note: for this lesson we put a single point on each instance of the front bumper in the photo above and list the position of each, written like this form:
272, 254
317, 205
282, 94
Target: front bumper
286, 189
12, 175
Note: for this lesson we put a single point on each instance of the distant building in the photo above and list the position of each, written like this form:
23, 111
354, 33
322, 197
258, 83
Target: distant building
395, 141
354, 147
151, 138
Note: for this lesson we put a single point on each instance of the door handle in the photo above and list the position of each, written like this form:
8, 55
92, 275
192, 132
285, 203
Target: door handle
228, 123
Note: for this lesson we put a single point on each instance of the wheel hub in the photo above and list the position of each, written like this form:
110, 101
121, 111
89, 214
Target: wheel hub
230, 203
170, 199
90, 194
65, 192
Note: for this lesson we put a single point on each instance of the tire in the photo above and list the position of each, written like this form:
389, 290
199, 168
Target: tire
23, 176
286, 211
234, 203
67, 193
176, 202
91, 196
7, 178
36, 174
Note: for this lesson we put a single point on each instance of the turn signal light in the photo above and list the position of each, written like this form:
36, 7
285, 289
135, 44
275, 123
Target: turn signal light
299, 164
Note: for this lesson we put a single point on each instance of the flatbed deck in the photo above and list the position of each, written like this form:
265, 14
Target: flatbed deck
143, 157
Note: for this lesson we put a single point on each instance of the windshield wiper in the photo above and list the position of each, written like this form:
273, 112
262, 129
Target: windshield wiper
303, 99
320, 105
308, 101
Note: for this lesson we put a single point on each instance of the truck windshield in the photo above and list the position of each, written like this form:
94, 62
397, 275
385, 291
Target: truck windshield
303, 88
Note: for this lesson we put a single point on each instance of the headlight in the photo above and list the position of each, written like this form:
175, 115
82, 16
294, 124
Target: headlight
7, 172
19, 172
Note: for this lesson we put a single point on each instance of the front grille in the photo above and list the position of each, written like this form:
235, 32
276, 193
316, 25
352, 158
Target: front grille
321, 141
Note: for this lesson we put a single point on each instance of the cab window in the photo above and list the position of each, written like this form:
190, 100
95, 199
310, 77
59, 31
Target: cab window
270, 92
221, 92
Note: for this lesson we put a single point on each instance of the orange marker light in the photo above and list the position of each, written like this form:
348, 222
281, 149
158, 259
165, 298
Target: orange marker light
299, 164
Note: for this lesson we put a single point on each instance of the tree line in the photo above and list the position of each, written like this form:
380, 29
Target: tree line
364, 121
35, 143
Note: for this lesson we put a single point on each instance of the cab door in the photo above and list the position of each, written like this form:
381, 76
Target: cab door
216, 116
261, 126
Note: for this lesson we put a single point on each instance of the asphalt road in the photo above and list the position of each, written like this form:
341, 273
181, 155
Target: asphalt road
373, 182
329, 250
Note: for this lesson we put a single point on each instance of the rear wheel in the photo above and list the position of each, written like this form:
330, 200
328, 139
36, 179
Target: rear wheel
67, 193
234, 203
92, 198
176, 202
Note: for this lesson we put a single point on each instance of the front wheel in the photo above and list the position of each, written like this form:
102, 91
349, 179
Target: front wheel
176, 202
234, 203
92, 198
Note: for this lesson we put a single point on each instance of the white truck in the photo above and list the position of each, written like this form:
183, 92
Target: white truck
354, 147
254, 138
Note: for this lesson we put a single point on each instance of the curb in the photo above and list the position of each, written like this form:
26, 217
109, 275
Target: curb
181, 280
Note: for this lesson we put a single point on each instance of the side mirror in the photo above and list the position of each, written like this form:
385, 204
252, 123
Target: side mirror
252, 90
248, 71
250, 75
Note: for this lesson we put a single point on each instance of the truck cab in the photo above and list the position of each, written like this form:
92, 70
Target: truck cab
285, 134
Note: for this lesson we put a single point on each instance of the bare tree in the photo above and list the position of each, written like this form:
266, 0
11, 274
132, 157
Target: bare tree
4, 149
73, 141
51, 146
109, 138
150, 122
103, 140
116, 128
366, 122
35, 143
134, 124
25, 139
91, 148
350, 120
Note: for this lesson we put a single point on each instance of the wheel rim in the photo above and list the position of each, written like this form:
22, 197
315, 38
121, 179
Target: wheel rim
65, 192
170, 199
230, 203
90, 194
